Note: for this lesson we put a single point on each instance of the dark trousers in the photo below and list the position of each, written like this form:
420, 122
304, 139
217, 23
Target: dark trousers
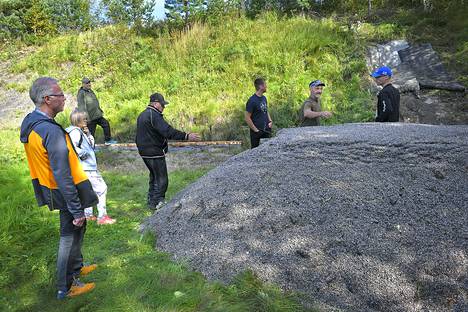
69, 259
158, 180
105, 127
256, 136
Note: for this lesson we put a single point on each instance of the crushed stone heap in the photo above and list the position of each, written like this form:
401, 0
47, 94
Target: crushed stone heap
358, 217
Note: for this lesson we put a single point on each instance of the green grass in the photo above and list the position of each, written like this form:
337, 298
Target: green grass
207, 73
132, 275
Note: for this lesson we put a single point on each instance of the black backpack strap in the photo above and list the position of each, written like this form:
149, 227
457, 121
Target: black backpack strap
81, 137
81, 140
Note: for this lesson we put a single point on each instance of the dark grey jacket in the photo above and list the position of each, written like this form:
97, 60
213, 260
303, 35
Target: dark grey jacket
153, 132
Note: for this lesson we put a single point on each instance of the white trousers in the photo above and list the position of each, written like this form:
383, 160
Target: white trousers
100, 188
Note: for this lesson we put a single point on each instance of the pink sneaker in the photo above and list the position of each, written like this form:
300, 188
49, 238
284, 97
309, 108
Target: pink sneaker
106, 220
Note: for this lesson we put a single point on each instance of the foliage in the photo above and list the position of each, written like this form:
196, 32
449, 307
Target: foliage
445, 27
183, 12
70, 15
11, 18
208, 75
37, 19
136, 13
218, 9
21, 19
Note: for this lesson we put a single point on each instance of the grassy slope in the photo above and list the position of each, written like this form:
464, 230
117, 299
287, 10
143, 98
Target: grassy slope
446, 30
132, 276
207, 73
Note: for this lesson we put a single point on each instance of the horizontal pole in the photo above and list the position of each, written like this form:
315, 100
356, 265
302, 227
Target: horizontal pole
181, 143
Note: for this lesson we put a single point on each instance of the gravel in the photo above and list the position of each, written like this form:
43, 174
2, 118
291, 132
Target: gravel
358, 217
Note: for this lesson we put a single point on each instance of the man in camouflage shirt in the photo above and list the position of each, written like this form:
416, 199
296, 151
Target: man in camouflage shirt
311, 110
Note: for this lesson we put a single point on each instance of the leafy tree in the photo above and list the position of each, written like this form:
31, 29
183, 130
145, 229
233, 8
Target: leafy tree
12, 23
184, 11
131, 12
38, 19
70, 14
223, 7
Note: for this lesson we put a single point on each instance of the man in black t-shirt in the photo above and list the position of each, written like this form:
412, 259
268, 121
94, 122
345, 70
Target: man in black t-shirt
388, 103
256, 114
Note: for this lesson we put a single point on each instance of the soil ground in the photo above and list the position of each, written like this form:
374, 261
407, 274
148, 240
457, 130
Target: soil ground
127, 160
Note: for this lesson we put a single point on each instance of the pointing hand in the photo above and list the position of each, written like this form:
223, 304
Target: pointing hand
194, 137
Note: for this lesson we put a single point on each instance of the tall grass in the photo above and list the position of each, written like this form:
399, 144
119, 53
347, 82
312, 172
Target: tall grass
207, 72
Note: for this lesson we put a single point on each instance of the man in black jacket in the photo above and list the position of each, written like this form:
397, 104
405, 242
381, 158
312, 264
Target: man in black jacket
152, 135
388, 104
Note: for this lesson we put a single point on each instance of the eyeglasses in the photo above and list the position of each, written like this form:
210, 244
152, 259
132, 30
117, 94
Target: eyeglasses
60, 95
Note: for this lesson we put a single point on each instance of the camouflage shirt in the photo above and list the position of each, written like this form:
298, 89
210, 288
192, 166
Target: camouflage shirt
313, 104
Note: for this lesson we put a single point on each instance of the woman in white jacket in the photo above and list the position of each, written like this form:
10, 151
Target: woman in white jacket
84, 145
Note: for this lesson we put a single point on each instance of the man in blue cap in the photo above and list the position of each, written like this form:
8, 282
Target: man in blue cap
311, 110
388, 104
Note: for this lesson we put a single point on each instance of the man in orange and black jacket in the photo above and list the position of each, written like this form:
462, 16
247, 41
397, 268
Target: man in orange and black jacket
59, 182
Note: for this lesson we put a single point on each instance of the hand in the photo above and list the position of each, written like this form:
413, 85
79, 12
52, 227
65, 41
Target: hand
194, 137
270, 124
326, 114
79, 222
86, 130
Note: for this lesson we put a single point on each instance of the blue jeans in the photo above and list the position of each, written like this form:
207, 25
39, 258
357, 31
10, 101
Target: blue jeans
69, 259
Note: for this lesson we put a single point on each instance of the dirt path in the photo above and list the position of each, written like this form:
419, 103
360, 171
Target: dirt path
127, 160
13, 104
14, 97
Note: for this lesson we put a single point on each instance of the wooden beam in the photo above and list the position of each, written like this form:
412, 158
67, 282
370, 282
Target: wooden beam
179, 144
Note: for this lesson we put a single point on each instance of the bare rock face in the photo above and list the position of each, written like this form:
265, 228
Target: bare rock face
359, 217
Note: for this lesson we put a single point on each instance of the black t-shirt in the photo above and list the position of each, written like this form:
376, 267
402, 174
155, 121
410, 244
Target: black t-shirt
257, 106
388, 105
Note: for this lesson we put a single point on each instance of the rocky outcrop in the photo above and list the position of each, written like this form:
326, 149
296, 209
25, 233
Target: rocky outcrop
359, 217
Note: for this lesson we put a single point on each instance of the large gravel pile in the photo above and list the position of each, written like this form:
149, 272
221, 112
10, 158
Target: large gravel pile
360, 217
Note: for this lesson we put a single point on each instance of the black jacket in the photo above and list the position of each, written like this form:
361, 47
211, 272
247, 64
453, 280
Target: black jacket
153, 132
388, 105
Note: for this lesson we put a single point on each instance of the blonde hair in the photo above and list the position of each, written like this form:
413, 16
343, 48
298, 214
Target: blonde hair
76, 117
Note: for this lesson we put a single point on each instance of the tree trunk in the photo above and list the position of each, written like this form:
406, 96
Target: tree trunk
427, 5
186, 9
369, 7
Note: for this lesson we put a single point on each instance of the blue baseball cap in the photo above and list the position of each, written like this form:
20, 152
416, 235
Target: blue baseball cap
382, 71
316, 83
